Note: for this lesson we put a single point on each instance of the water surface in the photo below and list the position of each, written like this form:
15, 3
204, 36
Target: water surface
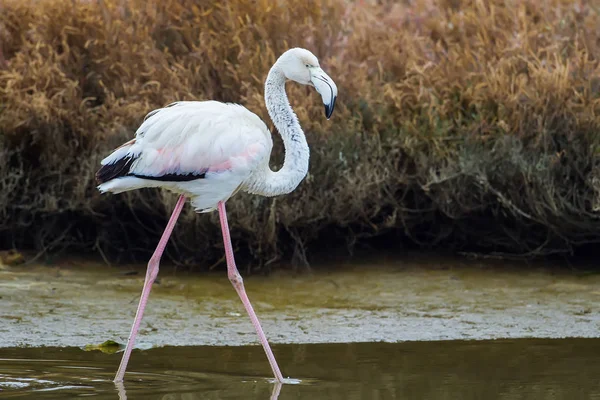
501, 369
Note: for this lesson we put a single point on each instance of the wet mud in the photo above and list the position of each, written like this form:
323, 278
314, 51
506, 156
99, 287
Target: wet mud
79, 304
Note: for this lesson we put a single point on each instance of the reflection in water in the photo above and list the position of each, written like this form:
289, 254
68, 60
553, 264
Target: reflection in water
276, 390
121, 390
503, 369
123, 393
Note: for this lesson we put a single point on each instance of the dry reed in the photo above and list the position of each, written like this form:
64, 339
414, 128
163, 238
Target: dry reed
460, 124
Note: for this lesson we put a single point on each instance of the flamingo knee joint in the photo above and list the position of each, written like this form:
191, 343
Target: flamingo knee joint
236, 279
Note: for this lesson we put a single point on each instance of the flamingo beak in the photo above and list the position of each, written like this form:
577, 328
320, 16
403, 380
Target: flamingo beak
326, 87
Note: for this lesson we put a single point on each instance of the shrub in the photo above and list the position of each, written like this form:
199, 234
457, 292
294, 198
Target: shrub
460, 124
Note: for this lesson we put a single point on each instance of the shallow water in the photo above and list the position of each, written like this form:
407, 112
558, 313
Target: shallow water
501, 369
375, 331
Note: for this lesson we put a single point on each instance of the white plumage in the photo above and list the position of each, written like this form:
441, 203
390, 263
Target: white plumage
224, 142
207, 150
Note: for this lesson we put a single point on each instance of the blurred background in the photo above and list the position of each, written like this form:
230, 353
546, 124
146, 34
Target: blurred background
461, 126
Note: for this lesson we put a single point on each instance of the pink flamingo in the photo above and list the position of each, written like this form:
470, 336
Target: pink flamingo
207, 151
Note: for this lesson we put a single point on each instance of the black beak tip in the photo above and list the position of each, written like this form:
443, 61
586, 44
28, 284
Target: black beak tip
329, 108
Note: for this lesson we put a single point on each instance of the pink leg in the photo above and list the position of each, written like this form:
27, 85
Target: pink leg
238, 284
151, 274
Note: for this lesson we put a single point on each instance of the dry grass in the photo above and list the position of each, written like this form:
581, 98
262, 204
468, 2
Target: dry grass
462, 124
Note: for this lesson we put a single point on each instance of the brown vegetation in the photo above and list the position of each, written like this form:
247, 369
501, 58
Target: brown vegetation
460, 124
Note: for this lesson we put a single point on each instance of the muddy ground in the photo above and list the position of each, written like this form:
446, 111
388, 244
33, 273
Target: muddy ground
81, 303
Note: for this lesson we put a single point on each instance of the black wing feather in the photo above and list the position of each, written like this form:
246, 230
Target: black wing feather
122, 168
115, 170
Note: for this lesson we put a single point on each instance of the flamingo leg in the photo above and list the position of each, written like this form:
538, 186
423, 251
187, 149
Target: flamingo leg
238, 284
151, 274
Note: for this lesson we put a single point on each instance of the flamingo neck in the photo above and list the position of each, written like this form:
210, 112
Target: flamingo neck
295, 164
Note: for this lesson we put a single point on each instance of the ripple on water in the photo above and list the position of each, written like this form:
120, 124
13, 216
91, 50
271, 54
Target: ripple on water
502, 369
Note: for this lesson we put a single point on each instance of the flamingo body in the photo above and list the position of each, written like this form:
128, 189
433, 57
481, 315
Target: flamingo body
205, 150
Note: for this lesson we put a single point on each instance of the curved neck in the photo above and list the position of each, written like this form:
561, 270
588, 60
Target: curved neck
295, 165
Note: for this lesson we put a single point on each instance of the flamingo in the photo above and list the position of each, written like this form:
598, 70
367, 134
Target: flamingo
207, 151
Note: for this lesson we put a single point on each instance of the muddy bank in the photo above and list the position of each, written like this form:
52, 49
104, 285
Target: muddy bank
77, 305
